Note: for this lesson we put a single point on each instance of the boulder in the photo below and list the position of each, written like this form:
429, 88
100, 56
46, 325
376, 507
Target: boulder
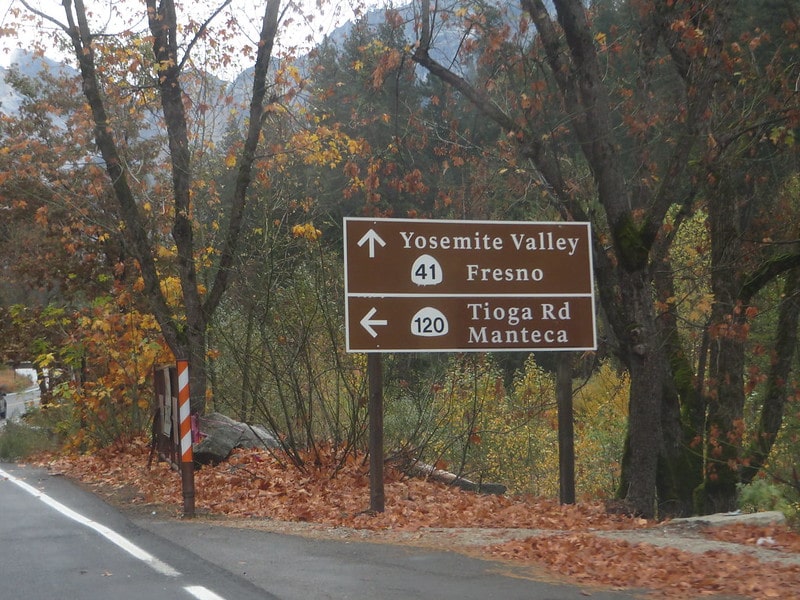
760, 519
220, 434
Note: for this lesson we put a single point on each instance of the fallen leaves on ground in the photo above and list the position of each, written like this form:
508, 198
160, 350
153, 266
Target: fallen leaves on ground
772, 537
673, 573
254, 484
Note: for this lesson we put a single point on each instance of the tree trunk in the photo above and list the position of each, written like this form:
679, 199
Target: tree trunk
628, 219
198, 377
783, 354
646, 366
680, 469
725, 396
186, 339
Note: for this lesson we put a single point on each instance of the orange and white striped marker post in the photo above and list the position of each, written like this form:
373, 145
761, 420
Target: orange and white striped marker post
185, 428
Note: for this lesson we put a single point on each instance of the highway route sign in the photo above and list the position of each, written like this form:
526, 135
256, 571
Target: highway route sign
419, 285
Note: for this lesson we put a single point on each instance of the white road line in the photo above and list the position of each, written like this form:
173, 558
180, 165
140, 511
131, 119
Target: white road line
201, 593
111, 535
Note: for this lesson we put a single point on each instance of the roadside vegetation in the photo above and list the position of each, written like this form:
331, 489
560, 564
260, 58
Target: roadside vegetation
19, 441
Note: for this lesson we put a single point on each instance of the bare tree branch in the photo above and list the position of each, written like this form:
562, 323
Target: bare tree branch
200, 33
269, 29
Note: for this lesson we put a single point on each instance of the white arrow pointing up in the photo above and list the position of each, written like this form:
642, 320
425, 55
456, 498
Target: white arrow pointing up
372, 237
367, 322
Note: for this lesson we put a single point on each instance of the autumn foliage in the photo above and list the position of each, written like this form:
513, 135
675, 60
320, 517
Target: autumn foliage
681, 149
259, 484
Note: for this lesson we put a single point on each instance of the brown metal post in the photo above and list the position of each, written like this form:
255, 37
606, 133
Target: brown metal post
566, 429
375, 375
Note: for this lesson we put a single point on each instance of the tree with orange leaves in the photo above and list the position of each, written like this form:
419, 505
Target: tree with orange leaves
635, 115
162, 59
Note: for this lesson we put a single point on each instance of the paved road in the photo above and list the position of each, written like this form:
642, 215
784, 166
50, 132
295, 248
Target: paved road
297, 568
57, 541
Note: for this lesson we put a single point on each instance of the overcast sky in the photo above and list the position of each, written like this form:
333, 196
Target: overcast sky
317, 22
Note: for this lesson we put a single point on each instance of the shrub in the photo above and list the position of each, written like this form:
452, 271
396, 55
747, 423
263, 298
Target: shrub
19, 440
763, 494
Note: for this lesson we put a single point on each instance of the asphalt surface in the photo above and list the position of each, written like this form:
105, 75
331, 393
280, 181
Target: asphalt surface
299, 568
59, 541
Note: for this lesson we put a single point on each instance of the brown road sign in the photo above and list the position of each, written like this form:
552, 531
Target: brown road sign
466, 257
459, 324
429, 285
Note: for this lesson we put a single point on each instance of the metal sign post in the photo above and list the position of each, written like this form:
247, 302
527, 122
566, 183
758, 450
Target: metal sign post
418, 285
375, 375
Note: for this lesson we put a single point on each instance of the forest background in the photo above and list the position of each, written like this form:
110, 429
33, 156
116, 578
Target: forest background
153, 209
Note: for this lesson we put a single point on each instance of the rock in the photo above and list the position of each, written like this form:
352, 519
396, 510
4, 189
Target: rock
220, 434
772, 517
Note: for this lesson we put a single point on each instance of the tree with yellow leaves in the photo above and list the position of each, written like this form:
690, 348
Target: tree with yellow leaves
121, 70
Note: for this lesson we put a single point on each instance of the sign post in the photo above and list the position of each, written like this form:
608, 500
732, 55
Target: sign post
462, 286
375, 375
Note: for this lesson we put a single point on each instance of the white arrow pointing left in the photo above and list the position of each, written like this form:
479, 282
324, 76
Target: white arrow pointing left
367, 322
